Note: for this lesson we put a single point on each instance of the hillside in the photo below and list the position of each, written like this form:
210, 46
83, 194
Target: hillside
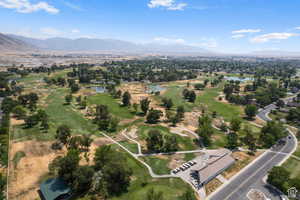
8, 43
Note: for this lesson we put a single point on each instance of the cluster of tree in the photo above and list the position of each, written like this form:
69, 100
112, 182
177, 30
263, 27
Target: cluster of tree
104, 120
280, 178
271, 133
2, 186
29, 100
109, 175
35, 118
189, 95
153, 116
205, 130
174, 118
82, 102
294, 115
158, 142
251, 111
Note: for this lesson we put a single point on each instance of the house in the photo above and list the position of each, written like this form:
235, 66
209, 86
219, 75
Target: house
54, 189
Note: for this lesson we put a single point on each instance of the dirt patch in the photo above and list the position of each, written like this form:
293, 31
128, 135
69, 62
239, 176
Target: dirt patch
242, 160
24, 179
138, 91
212, 186
15, 121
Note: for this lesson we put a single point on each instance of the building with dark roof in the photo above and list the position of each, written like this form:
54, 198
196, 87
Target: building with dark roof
55, 189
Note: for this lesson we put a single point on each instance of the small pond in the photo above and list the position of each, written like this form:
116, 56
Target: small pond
235, 78
99, 89
155, 88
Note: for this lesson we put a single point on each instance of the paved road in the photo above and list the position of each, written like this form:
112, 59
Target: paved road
251, 177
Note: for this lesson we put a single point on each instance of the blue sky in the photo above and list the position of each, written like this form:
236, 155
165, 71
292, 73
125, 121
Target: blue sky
232, 26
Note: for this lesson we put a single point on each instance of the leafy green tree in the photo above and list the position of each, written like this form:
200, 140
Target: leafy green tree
232, 140
250, 111
192, 96
75, 88
19, 111
83, 179
271, 133
63, 133
145, 105
31, 121
155, 141
180, 112
68, 99
154, 116
167, 103
126, 99
235, 124
279, 177
249, 139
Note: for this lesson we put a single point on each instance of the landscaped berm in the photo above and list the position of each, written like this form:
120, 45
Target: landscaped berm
54, 189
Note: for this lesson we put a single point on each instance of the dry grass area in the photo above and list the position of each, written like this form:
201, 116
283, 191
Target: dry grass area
24, 179
212, 186
138, 91
242, 160
176, 161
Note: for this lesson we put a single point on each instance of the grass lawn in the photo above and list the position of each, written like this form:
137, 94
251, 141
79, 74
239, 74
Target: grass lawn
141, 182
175, 93
185, 143
158, 165
130, 146
112, 104
228, 111
219, 140
189, 156
58, 114
293, 166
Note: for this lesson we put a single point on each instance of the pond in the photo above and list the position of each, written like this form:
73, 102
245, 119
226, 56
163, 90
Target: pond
235, 78
99, 89
155, 88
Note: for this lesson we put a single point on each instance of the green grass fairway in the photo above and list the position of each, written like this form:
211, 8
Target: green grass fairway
175, 93
113, 106
228, 111
58, 114
292, 165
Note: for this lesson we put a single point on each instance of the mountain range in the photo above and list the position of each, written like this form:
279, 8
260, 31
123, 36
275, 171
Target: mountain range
88, 44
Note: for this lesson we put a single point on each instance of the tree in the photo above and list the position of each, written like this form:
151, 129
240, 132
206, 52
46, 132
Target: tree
126, 99
280, 103
113, 124
154, 116
235, 124
68, 99
232, 140
154, 141
250, 111
135, 107
167, 103
19, 111
31, 121
279, 177
152, 195
75, 88
65, 167
192, 96
180, 112
199, 86
205, 131
63, 133
83, 179
145, 105
271, 133
249, 139
102, 117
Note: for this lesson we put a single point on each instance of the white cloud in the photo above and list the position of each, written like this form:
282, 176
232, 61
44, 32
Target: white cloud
75, 31
50, 31
168, 4
272, 36
24, 6
246, 31
238, 36
73, 6
165, 40
298, 28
